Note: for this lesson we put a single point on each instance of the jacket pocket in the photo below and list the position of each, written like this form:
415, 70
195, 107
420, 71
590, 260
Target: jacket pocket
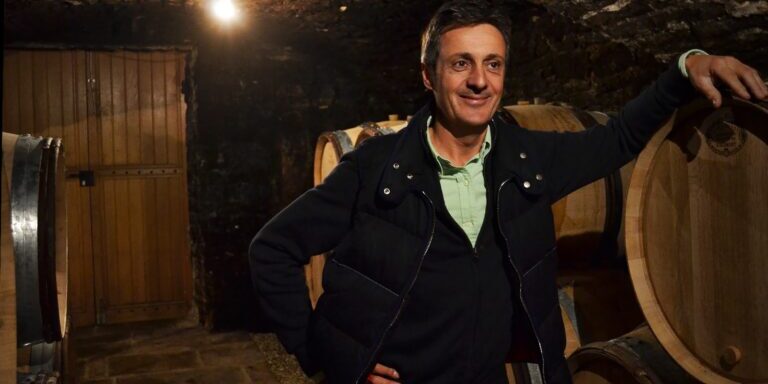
372, 281
356, 304
540, 286
544, 259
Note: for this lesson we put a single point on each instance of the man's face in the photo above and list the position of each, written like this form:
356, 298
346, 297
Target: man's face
469, 76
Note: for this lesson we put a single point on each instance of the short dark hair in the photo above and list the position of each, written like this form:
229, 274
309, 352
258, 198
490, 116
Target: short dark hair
461, 13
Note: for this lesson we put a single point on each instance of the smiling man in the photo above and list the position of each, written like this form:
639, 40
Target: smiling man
444, 258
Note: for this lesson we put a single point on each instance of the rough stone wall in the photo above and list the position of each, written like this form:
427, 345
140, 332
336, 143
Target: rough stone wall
265, 90
663, 29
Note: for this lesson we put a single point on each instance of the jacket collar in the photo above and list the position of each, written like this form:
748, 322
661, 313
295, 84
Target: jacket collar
518, 158
412, 168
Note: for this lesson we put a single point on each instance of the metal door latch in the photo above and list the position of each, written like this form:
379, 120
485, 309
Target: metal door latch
87, 178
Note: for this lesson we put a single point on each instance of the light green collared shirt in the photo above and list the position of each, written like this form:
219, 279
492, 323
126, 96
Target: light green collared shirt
464, 188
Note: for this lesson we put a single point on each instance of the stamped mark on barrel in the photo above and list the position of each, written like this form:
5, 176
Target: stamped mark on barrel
724, 137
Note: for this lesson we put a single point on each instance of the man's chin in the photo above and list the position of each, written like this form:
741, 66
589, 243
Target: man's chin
479, 121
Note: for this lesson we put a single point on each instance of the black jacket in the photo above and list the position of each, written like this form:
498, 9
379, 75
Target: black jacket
376, 211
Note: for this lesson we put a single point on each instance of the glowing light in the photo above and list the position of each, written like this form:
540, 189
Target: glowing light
224, 10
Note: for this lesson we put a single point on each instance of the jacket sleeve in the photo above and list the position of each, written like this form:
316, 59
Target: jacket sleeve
580, 158
313, 223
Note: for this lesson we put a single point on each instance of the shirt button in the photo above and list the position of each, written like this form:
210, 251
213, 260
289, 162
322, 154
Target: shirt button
396, 165
523, 155
539, 177
409, 176
387, 191
526, 185
466, 182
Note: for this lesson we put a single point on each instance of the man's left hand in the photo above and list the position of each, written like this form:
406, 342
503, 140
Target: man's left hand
705, 71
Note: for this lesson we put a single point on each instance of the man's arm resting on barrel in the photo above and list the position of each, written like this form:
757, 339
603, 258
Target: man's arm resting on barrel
579, 158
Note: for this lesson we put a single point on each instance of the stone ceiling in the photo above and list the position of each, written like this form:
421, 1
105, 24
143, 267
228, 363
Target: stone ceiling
660, 27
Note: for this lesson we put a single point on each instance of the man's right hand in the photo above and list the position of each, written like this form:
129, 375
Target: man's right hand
705, 71
383, 375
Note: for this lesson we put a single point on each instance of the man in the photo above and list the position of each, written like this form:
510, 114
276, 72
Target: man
444, 255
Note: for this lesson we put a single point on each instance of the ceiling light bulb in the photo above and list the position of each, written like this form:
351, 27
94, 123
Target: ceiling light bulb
224, 10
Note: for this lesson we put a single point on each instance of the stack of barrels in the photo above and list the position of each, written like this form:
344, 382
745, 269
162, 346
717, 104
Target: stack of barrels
33, 260
663, 263
696, 222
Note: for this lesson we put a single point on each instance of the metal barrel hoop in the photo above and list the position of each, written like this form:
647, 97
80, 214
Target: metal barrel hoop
49, 294
25, 189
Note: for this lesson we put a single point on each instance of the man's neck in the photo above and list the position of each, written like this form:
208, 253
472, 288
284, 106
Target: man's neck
456, 144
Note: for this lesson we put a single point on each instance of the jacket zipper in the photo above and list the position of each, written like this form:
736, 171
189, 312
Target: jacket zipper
475, 258
520, 280
476, 315
407, 292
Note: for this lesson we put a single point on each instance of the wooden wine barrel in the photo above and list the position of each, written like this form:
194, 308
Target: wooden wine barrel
697, 239
40, 359
588, 222
596, 304
381, 128
635, 358
7, 271
603, 304
68, 358
38, 242
53, 362
523, 373
331, 146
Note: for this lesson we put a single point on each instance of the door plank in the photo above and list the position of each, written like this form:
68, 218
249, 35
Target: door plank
133, 132
136, 230
54, 98
159, 107
151, 254
173, 102
119, 109
25, 91
11, 84
40, 93
164, 241
146, 127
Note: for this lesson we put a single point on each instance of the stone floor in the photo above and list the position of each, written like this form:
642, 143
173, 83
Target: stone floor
179, 352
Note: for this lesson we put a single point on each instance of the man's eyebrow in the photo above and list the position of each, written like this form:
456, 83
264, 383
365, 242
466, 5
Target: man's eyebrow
468, 56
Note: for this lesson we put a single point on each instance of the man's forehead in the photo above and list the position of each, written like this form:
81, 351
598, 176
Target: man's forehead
480, 40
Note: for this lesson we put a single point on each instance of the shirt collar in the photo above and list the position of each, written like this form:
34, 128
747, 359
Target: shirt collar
445, 165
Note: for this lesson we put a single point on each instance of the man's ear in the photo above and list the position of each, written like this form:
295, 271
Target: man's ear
425, 76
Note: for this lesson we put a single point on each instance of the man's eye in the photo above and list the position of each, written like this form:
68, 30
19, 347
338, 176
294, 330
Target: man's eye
495, 65
460, 64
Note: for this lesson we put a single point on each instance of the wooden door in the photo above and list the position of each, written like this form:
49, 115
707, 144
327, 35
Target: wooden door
140, 198
121, 115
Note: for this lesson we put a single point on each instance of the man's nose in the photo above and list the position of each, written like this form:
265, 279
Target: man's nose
476, 80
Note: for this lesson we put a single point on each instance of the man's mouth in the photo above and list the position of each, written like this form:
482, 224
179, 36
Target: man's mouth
475, 100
